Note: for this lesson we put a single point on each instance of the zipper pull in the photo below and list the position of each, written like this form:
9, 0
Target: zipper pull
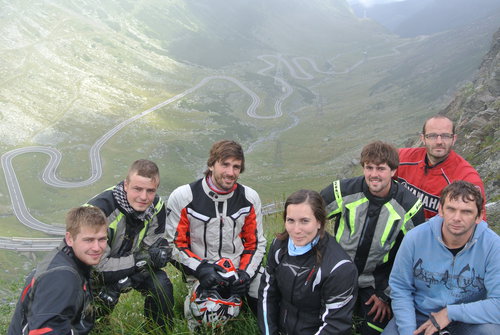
310, 275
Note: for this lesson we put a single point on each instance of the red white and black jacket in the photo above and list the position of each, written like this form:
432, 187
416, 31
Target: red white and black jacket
427, 182
205, 225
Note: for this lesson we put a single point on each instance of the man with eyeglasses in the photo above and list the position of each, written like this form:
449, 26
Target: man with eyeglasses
427, 170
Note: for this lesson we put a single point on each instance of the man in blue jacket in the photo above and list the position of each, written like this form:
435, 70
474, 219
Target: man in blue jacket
446, 275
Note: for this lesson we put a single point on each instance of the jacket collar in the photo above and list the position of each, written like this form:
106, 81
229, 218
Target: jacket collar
68, 252
214, 195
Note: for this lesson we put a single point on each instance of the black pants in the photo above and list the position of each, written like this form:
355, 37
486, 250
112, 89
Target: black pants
157, 289
368, 326
159, 297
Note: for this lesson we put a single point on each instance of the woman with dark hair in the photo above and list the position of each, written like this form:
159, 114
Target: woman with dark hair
310, 284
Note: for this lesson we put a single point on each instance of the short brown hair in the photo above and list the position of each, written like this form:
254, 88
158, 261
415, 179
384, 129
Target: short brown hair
224, 149
84, 216
378, 153
461, 189
144, 168
439, 116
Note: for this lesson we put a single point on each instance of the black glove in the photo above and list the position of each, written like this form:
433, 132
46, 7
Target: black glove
139, 278
240, 286
208, 276
159, 256
141, 259
109, 295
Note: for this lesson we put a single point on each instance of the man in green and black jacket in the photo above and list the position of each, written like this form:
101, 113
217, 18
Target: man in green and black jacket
137, 250
372, 213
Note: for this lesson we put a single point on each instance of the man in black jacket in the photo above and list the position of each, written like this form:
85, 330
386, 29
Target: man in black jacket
137, 249
372, 213
56, 296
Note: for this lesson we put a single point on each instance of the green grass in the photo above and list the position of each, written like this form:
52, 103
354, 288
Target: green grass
127, 317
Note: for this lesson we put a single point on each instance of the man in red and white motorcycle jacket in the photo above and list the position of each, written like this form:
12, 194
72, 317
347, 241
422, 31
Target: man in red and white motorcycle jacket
215, 217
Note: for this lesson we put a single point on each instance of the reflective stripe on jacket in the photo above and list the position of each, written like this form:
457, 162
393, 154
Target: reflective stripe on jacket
348, 201
202, 224
118, 259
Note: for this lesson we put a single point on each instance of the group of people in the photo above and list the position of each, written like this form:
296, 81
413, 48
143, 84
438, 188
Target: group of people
358, 249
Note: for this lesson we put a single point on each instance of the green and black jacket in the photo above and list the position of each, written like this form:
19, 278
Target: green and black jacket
126, 235
369, 228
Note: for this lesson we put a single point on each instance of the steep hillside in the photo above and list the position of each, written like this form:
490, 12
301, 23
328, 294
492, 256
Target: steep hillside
477, 111
303, 85
79, 60
74, 62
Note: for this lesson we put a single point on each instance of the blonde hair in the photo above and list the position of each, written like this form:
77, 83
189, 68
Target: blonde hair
84, 216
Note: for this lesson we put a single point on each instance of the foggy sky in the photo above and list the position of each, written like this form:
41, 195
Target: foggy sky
369, 3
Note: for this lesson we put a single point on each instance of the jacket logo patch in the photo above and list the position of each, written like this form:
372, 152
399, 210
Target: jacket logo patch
295, 269
429, 201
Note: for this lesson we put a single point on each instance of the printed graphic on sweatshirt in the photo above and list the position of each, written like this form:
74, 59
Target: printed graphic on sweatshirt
465, 284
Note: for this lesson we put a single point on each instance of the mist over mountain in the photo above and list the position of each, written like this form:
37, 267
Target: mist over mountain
411, 18
215, 33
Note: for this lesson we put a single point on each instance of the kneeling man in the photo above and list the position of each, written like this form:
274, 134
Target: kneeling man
56, 298
446, 274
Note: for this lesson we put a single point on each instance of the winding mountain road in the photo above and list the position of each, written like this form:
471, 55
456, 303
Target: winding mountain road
49, 175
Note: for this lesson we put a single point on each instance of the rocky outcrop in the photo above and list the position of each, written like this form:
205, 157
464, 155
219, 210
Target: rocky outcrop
475, 109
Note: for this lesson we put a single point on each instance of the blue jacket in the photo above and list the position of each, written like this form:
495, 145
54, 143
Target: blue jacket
427, 277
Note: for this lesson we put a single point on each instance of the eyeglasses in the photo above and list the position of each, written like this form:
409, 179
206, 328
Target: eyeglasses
444, 137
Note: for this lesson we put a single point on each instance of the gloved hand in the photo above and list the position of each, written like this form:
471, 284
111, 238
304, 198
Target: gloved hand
240, 286
157, 256
160, 255
141, 259
207, 275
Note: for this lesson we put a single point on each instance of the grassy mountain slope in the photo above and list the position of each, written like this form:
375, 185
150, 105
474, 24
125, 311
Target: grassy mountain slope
74, 70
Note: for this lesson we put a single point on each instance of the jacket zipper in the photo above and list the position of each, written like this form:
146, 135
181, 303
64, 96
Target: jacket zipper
234, 230
220, 235
205, 238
